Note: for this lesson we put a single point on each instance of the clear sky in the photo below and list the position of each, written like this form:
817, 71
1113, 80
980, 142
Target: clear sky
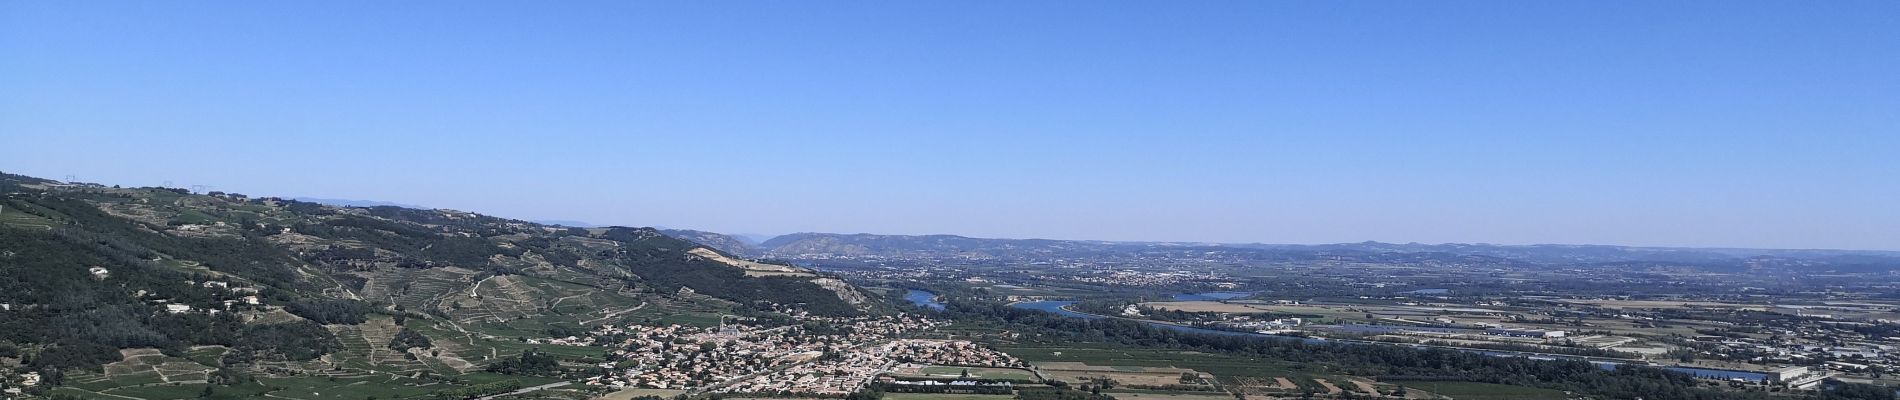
1691, 123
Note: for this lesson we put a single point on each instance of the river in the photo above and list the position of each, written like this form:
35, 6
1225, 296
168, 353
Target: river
1058, 308
923, 299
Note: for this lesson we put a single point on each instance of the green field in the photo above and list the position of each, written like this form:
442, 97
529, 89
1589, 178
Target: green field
147, 374
308, 387
944, 396
629, 394
1481, 391
1222, 365
10, 214
1037, 290
348, 388
685, 313
1153, 395
981, 372
169, 391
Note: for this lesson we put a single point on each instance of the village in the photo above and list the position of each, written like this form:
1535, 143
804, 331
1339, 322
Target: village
823, 356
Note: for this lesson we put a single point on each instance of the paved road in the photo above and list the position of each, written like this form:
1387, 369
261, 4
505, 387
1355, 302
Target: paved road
530, 389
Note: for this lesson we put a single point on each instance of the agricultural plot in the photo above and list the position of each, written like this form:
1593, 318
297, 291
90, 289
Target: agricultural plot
148, 365
170, 391
469, 350
1220, 365
515, 296
1322, 311
144, 373
1361, 385
12, 216
459, 350
207, 355
366, 347
1005, 289
300, 387
1126, 395
561, 393
1480, 391
1621, 327
315, 388
1126, 375
417, 289
516, 305
1329, 386
1209, 306
1249, 376
949, 396
275, 315
945, 371
1665, 304
1298, 384
687, 313
629, 394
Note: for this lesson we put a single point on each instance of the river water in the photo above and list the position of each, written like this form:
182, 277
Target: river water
923, 299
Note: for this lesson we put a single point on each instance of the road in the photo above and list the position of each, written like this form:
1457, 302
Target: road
529, 389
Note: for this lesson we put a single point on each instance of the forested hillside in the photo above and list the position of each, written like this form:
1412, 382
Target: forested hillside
268, 285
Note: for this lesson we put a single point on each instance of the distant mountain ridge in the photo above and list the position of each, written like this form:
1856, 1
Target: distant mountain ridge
810, 245
566, 223
354, 203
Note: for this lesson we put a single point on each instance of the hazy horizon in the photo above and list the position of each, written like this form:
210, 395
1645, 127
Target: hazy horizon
763, 236
1745, 124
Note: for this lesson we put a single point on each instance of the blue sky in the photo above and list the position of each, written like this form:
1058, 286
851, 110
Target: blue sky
1717, 123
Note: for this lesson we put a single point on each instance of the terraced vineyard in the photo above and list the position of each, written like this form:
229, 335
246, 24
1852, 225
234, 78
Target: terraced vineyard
417, 289
366, 347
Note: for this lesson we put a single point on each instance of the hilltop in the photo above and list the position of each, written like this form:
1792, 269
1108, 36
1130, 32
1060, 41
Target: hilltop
729, 244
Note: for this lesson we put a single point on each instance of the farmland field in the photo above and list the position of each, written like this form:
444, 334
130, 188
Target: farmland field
944, 396
1224, 366
1208, 306
1481, 391
629, 394
978, 372
1126, 395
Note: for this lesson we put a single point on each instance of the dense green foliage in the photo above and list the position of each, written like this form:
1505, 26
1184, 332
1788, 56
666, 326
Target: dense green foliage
408, 339
656, 260
531, 362
296, 341
475, 391
330, 311
1060, 393
85, 319
1844, 391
